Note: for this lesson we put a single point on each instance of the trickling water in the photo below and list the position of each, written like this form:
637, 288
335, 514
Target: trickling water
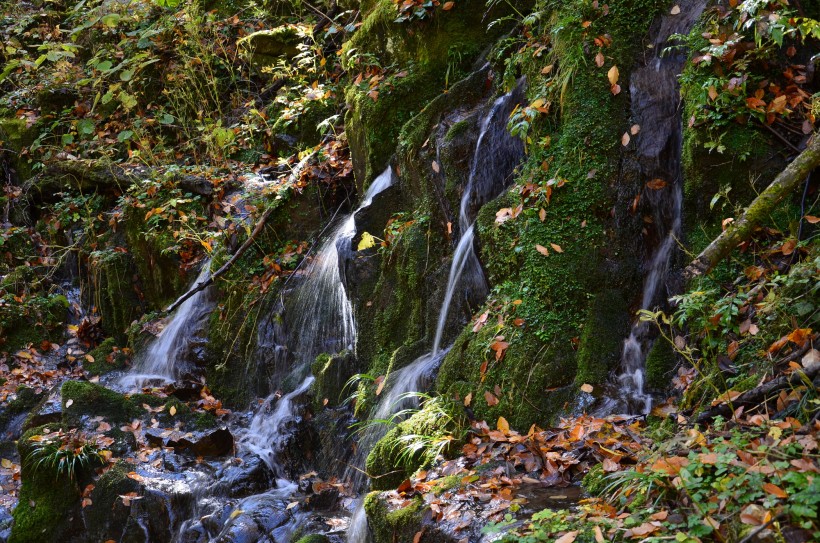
496, 155
321, 322
655, 95
160, 362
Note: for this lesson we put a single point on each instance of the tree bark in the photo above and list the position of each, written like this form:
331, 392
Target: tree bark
761, 394
742, 229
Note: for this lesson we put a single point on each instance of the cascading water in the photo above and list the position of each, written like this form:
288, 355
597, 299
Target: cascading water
655, 95
495, 157
160, 362
316, 318
322, 322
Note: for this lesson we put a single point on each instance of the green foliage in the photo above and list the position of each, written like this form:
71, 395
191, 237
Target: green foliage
70, 454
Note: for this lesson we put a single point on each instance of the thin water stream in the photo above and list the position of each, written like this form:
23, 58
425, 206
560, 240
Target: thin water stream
655, 95
495, 157
162, 361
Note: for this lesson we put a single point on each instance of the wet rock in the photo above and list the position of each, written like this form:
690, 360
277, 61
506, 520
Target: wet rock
243, 476
262, 519
217, 442
49, 410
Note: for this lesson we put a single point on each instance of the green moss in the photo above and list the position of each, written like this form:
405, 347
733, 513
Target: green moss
428, 51
115, 291
107, 517
16, 136
605, 328
660, 365
39, 318
389, 526
332, 374
49, 506
394, 458
595, 480
106, 357
314, 538
91, 399
458, 129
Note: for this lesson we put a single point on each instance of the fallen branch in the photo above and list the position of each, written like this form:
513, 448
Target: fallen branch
202, 285
760, 394
742, 229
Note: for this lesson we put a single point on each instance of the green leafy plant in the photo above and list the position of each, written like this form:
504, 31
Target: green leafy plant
65, 453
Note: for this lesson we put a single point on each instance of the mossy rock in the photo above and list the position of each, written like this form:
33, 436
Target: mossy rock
388, 526
429, 52
266, 47
106, 357
49, 503
661, 362
332, 373
16, 136
115, 292
83, 175
391, 460
91, 399
604, 331
107, 516
43, 319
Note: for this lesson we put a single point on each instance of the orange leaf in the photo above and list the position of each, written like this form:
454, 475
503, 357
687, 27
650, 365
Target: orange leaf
656, 184
557, 248
775, 490
503, 425
543, 250
490, 398
448, 6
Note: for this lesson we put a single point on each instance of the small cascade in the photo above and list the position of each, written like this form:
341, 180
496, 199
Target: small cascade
655, 95
496, 155
160, 362
320, 317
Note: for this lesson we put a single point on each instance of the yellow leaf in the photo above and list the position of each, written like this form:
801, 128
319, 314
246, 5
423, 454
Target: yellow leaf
613, 75
503, 425
206, 245
172, 411
366, 242
468, 399
6, 463
236, 513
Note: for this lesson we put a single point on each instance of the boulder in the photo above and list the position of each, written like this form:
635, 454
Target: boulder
216, 442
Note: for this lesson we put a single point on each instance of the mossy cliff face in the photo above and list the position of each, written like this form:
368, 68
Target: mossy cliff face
419, 58
567, 301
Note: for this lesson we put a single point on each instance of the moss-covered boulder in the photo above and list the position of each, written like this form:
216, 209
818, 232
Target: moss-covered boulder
388, 525
266, 47
413, 444
314, 538
106, 357
49, 503
82, 399
115, 291
16, 135
332, 373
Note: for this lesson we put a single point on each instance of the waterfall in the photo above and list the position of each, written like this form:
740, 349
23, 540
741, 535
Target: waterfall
655, 95
495, 157
159, 362
322, 322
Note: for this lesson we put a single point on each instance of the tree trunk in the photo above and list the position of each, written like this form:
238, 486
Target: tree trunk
761, 207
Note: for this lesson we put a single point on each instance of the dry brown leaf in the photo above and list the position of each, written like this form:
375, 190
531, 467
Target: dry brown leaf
543, 250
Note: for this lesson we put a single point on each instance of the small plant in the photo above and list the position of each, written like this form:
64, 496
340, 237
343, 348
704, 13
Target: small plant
65, 453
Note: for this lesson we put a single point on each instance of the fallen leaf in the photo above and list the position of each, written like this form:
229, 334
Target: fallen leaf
490, 398
613, 75
173, 410
775, 490
675, 10
568, 537
436, 167
503, 425
448, 6
599, 59
541, 249
656, 184
69, 403
625, 139
557, 248
468, 399
586, 388
635, 129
